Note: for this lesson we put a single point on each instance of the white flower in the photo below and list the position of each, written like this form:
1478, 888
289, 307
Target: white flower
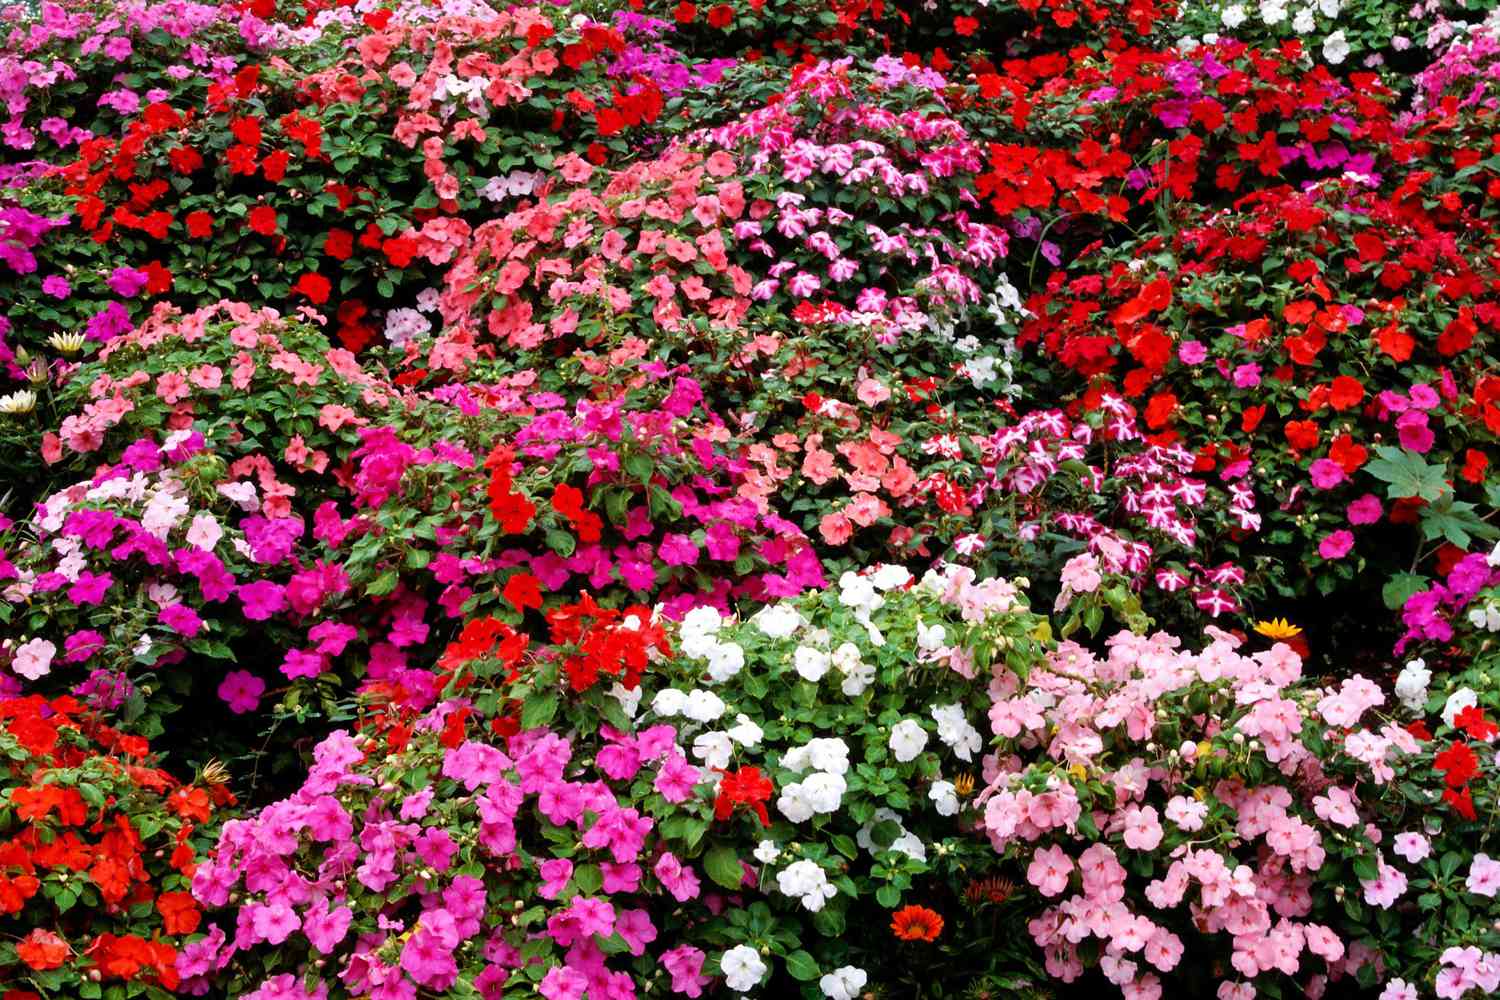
806, 881
1233, 16
1411, 685
857, 679
629, 698
858, 592
746, 733
889, 577
18, 402
1493, 559
954, 730
931, 638
843, 983
724, 661
829, 754
714, 749
1330, 8
908, 739
669, 702
1458, 701
778, 621
703, 620
1303, 21
1273, 11
1336, 47
811, 663
767, 851
703, 706
742, 967
824, 791
793, 803
697, 645
910, 845
944, 797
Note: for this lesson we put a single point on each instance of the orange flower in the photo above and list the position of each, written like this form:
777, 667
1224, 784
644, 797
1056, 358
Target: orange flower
916, 923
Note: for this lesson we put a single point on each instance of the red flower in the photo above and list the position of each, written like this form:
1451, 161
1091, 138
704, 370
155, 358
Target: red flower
185, 159
916, 923
43, 950
274, 165
339, 244
399, 250
314, 286
1458, 764
744, 787
200, 225
179, 914
241, 160
263, 220
720, 15
523, 591
1475, 462
1345, 392
1302, 434
1472, 721
965, 26
246, 130
685, 12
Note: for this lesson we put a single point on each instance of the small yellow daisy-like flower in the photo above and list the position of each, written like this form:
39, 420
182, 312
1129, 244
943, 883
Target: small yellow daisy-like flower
1278, 628
1078, 771
963, 785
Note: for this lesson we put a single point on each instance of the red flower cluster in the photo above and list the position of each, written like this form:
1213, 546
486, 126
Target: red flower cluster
614, 643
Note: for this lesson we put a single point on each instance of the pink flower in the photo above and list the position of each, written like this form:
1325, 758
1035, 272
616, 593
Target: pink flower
1365, 510
563, 983
182, 619
1398, 989
262, 599
325, 928
1385, 888
1412, 846
1187, 813
1192, 352
1484, 876
1081, 573
33, 660
1164, 949
678, 550
1049, 870
685, 964
1336, 545
1142, 830
678, 879
555, 874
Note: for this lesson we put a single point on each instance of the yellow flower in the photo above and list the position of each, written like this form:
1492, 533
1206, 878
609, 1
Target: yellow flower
1078, 771
1278, 628
963, 785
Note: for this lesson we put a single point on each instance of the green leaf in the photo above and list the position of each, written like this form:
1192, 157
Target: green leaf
538, 710
723, 866
1366, 868
588, 878
1400, 587
1407, 474
802, 966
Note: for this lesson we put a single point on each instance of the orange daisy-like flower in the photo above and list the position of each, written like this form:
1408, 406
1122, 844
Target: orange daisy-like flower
916, 923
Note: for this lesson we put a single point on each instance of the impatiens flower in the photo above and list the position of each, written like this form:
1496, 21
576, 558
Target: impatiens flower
241, 690
742, 968
907, 740
1412, 846
1336, 545
1484, 876
1049, 870
33, 659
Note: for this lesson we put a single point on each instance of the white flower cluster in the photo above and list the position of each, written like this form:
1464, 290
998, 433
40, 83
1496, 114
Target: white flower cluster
906, 842
944, 796
778, 621
699, 641
812, 664
822, 791
742, 967
1486, 616
818, 794
806, 881
1411, 685
954, 730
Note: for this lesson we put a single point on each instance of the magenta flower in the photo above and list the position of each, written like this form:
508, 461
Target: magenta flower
678, 550
241, 690
262, 599
181, 618
1365, 510
1336, 545
1326, 473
